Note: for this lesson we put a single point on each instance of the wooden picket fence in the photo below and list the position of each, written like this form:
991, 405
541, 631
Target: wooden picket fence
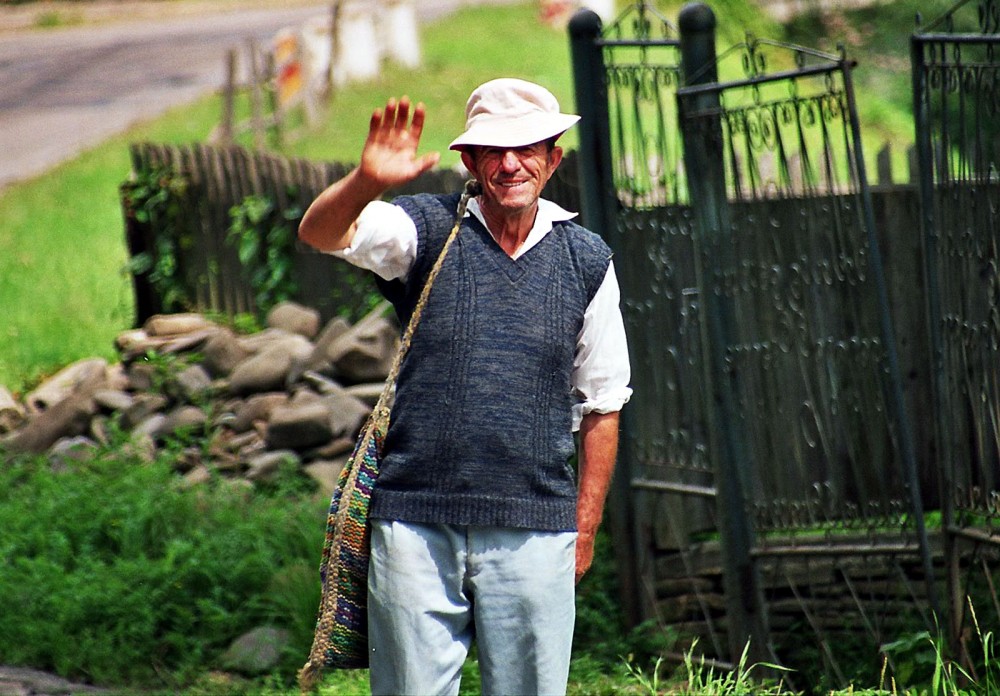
218, 178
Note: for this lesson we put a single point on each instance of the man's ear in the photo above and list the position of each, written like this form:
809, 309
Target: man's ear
469, 161
555, 156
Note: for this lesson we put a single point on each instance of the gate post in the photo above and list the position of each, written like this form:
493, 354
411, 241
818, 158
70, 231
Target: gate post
944, 456
598, 201
704, 164
599, 208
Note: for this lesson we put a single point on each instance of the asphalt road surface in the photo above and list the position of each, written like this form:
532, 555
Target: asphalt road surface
65, 90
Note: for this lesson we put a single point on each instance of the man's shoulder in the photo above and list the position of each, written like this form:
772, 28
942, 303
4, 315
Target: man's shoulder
428, 203
583, 239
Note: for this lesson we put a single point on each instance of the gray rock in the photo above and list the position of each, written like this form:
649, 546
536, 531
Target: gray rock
111, 400
181, 419
141, 446
143, 406
141, 376
256, 652
333, 449
151, 426
347, 413
193, 382
174, 324
12, 414
223, 352
262, 340
264, 466
320, 359
65, 382
365, 353
294, 318
68, 417
268, 370
368, 392
30, 682
198, 476
134, 345
325, 473
257, 408
300, 426
70, 449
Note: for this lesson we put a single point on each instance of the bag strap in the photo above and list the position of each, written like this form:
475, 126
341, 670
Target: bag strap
472, 189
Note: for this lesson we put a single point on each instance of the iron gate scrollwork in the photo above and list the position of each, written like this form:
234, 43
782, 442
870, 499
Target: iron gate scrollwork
627, 75
956, 92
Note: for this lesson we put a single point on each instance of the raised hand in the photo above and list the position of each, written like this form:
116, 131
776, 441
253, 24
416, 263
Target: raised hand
389, 157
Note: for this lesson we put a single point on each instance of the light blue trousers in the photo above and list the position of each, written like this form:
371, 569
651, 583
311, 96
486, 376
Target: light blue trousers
433, 588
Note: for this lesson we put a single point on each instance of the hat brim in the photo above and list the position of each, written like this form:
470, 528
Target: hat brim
514, 132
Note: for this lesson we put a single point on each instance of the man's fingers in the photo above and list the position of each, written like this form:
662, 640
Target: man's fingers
389, 117
375, 123
417, 126
402, 114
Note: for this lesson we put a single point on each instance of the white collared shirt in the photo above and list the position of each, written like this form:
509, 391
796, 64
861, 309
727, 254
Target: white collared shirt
385, 242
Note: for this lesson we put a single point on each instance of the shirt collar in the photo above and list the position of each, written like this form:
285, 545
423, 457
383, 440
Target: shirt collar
548, 214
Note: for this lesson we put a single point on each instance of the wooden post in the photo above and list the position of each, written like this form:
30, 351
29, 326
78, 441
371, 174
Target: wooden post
256, 98
883, 163
273, 101
226, 128
335, 11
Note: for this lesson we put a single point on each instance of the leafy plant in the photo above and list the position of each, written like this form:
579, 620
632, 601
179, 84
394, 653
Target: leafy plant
154, 198
264, 236
115, 573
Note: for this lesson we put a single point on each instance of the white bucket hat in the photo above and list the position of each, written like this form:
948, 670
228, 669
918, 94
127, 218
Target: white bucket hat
508, 112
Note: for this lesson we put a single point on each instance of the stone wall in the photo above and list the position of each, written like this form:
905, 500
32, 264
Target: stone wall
241, 406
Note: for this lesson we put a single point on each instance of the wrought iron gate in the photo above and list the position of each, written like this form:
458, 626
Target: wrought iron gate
956, 88
767, 431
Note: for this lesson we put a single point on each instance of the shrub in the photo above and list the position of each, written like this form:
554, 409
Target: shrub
113, 572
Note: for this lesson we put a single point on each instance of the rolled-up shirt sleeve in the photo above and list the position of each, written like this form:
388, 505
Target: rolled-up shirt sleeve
384, 241
601, 370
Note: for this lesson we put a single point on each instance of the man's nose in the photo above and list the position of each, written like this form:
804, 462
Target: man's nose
509, 161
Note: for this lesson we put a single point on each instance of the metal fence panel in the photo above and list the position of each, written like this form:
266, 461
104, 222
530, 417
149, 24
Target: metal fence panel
956, 93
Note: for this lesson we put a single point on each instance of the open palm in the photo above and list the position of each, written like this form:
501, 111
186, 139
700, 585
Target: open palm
390, 156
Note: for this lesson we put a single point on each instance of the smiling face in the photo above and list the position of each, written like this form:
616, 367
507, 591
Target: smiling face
512, 177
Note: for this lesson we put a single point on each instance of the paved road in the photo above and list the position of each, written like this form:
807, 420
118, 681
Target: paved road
64, 90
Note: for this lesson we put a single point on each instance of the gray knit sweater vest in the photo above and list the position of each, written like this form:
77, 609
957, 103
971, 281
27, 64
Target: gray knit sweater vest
480, 432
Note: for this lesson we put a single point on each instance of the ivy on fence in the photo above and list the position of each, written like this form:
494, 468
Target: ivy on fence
155, 198
264, 236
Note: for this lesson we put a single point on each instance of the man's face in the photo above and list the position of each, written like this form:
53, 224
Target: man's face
512, 178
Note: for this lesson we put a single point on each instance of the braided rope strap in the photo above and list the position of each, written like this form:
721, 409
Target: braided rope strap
341, 636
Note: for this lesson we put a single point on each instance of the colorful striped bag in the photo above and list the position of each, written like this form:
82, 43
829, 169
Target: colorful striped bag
341, 637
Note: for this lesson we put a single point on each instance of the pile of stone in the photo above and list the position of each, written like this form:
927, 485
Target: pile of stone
240, 406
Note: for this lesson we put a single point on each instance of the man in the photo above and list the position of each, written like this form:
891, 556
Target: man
480, 527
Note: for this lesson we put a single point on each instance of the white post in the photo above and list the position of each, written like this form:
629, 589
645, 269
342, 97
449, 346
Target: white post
359, 53
401, 40
605, 9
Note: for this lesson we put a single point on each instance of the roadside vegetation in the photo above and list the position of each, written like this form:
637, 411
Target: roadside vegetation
111, 572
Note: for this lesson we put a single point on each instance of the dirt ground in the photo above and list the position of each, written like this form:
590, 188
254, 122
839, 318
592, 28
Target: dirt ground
58, 13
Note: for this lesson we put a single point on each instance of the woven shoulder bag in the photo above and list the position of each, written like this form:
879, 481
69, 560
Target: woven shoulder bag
341, 637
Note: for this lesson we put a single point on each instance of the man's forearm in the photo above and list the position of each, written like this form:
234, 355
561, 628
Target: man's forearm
328, 224
598, 450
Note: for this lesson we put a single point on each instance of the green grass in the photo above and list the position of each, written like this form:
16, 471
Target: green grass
62, 248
